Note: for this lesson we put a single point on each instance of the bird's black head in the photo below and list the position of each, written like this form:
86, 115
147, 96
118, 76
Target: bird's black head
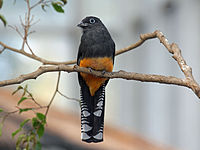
90, 22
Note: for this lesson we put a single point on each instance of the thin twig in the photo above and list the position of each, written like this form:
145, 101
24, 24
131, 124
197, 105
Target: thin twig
33, 99
7, 114
26, 24
35, 57
16, 29
1, 51
54, 94
29, 48
74, 99
37, 3
143, 38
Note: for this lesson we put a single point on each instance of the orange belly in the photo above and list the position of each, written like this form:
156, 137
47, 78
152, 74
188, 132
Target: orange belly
100, 64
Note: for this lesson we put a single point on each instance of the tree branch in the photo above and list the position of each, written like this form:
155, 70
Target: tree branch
120, 74
70, 98
143, 38
173, 48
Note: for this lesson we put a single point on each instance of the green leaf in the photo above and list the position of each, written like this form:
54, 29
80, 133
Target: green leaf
21, 100
19, 139
1, 110
38, 146
33, 139
64, 1
35, 123
24, 109
40, 130
1, 3
57, 7
24, 122
41, 117
1, 126
15, 132
18, 88
27, 144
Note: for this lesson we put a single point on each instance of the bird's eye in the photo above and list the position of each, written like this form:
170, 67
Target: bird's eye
92, 20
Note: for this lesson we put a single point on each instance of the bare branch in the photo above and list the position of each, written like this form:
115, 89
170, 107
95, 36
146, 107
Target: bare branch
68, 97
7, 114
144, 37
188, 81
1, 51
34, 57
54, 94
120, 74
26, 24
16, 29
36, 4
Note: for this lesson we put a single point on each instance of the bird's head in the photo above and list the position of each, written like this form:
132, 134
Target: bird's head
90, 22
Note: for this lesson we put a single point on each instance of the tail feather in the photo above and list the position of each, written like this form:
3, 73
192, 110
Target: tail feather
86, 116
99, 107
92, 114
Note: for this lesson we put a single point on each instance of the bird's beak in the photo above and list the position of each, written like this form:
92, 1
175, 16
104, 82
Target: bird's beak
82, 25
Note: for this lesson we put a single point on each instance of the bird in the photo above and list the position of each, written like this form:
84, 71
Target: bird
96, 51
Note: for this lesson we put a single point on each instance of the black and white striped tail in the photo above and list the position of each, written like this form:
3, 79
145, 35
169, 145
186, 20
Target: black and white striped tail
92, 115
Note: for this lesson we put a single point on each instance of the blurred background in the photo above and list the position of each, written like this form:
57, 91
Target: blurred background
162, 114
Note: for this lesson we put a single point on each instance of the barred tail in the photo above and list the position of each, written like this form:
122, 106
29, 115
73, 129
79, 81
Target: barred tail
92, 114
86, 116
99, 107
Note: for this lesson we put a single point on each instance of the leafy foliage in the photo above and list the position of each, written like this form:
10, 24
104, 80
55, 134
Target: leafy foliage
27, 139
31, 139
21, 100
25, 96
58, 6
38, 123
18, 88
24, 109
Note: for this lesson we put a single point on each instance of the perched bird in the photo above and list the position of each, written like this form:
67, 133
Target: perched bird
96, 51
